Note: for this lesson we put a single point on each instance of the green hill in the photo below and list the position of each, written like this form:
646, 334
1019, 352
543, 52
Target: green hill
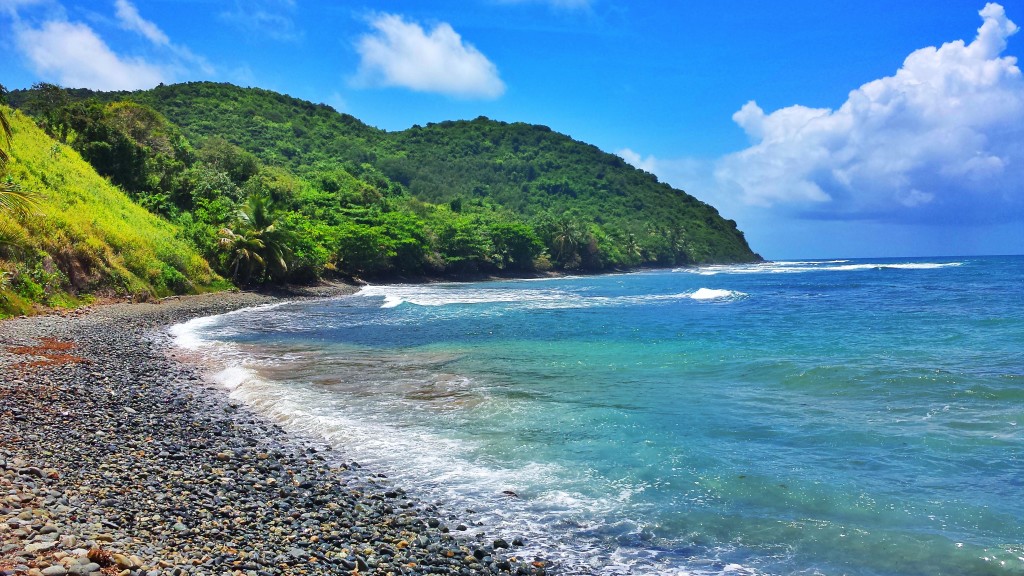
279, 129
528, 169
339, 197
540, 173
83, 237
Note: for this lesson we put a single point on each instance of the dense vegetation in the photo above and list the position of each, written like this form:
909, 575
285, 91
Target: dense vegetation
77, 235
269, 188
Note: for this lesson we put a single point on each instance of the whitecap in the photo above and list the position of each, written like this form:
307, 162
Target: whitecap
803, 266
391, 301
437, 295
715, 294
922, 265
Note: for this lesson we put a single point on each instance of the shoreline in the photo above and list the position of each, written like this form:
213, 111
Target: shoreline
117, 458
324, 288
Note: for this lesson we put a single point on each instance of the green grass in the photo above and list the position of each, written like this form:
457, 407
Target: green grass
84, 236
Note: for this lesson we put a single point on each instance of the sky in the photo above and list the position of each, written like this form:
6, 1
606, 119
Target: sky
842, 128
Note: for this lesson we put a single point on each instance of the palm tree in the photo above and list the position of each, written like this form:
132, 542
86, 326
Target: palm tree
632, 250
566, 241
257, 242
242, 250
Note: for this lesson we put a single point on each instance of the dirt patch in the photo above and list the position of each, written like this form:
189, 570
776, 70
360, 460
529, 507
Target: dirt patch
49, 352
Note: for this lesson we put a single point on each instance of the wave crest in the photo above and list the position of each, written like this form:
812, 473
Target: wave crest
714, 294
547, 299
802, 266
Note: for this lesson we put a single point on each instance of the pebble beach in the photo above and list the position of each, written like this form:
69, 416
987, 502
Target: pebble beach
117, 457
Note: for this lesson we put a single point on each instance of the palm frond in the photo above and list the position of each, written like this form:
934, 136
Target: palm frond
13, 199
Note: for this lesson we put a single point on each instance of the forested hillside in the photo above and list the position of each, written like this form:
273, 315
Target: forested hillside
269, 188
547, 177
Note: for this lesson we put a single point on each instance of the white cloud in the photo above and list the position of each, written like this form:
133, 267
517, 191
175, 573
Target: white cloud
129, 18
337, 101
941, 140
692, 175
268, 18
402, 54
648, 164
73, 55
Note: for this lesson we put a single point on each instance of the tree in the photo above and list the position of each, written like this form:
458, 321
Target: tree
632, 251
242, 250
49, 103
565, 242
110, 151
13, 199
515, 245
408, 241
257, 242
464, 244
363, 249
238, 164
143, 125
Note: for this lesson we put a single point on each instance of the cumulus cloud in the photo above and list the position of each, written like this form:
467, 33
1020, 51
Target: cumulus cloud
403, 54
129, 18
941, 140
73, 55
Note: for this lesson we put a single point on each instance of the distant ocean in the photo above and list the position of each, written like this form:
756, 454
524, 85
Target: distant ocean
856, 417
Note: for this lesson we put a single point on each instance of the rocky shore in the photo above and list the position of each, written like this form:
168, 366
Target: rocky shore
116, 459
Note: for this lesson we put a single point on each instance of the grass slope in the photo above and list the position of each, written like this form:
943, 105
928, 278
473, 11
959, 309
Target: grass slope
84, 236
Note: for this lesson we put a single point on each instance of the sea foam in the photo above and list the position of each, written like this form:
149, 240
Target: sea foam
804, 266
713, 294
440, 295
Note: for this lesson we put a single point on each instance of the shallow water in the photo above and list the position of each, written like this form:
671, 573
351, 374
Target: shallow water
843, 417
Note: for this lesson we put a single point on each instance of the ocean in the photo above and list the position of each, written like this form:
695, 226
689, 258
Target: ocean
855, 417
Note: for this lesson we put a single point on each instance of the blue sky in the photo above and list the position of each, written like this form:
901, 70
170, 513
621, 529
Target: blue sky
825, 129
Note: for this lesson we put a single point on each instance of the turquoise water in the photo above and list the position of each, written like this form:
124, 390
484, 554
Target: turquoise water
845, 417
